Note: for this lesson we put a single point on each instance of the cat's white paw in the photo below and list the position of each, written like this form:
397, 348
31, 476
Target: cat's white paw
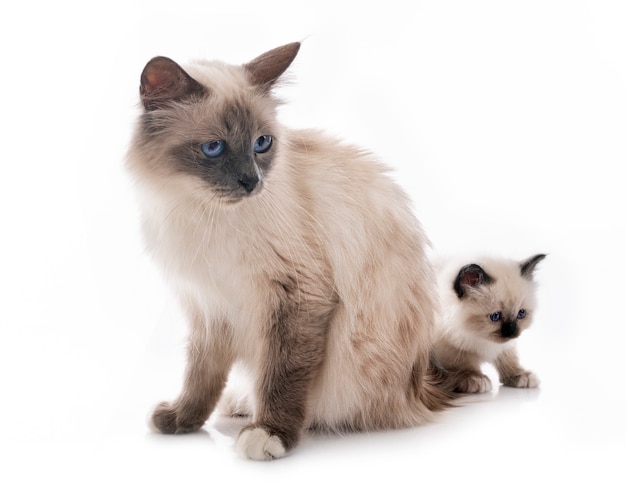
257, 444
528, 380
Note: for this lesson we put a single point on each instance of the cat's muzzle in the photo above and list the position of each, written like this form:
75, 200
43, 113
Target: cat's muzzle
248, 182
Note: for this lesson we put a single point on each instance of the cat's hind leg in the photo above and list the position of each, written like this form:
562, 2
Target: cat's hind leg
237, 399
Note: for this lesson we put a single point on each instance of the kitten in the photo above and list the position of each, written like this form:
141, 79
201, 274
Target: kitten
486, 306
294, 255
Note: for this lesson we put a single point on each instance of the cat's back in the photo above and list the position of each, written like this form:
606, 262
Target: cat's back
355, 206
348, 182
340, 165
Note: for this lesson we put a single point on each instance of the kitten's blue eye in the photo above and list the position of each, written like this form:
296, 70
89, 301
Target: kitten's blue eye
262, 144
495, 317
213, 149
521, 314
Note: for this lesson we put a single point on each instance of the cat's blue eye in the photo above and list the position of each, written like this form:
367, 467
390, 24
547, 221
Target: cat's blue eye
521, 314
213, 149
495, 317
262, 144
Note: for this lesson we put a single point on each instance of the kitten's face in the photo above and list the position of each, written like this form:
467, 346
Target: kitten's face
212, 125
498, 298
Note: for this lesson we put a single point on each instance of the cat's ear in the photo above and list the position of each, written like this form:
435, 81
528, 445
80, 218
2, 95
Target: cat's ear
527, 267
162, 81
265, 70
470, 276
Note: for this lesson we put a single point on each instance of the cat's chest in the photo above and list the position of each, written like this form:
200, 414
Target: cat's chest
202, 253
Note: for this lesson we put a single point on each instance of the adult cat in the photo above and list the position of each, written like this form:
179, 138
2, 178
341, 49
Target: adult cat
293, 254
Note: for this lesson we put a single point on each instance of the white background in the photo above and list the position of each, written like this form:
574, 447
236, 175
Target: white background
506, 123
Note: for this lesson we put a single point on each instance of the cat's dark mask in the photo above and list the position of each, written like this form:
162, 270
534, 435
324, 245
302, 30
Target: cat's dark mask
234, 163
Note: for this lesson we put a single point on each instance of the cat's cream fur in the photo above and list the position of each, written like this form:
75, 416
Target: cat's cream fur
317, 283
466, 336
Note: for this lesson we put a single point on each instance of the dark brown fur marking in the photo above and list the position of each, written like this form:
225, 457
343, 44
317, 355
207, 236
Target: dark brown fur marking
163, 81
264, 70
208, 363
296, 340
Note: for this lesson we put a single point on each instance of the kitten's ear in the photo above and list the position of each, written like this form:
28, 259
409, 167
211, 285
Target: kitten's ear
527, 267
162, 81
470, 276
264, 70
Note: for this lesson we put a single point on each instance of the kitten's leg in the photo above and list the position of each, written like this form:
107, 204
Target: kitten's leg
294, 352
208, 362
512, 374
471, 381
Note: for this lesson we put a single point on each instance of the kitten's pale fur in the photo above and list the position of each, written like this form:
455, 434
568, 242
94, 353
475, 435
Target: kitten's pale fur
303, 262
486, 305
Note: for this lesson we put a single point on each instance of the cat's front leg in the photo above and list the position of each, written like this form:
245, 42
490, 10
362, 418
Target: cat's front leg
208, 363
293, 352
512, 374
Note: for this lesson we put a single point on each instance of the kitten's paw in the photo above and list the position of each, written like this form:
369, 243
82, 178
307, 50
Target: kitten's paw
524, 380
169, 419
255, 443
475, 383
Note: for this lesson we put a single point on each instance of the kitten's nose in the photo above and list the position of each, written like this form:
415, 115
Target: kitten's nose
508, 329
248, 182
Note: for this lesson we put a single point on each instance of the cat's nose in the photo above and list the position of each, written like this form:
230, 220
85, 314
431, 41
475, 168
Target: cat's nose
508, 329
248, 182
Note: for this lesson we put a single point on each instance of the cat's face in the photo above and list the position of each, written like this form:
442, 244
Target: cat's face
497, 298
212, 125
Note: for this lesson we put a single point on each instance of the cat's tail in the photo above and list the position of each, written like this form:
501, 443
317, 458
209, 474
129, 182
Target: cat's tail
444, 380
433, 388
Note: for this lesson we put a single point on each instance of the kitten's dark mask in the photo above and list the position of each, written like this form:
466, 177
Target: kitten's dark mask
508, 325
239, 143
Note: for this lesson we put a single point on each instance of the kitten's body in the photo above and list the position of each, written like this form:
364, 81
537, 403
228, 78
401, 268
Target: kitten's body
485, 306
312, 276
